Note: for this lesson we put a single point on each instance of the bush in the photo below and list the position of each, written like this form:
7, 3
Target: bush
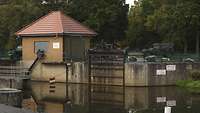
183, 83
189, 85
195, 75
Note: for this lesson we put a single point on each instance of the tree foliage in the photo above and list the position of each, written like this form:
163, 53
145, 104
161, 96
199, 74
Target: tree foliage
107, 17
175, 21
13, 16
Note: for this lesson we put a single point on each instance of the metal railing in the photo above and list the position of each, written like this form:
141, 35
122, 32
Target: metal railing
14, 72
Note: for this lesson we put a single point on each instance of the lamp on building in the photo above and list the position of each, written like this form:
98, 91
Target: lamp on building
44, 2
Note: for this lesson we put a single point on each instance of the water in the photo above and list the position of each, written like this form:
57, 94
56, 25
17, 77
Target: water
78, 98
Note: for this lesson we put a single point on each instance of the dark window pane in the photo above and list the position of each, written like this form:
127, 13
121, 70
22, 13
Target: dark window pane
43, 46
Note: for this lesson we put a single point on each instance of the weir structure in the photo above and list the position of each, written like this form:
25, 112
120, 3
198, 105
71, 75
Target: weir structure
106, 68
65, 40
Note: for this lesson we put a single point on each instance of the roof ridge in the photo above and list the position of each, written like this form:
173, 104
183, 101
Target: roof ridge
61, 18
61, 21
33, 22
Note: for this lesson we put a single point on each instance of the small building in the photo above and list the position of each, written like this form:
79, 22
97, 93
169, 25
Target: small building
60, 37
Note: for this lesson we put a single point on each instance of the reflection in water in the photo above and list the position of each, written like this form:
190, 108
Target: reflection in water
75, 98
104, 99
59, 99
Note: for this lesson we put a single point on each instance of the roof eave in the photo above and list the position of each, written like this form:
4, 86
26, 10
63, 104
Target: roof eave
57, 34
81, 34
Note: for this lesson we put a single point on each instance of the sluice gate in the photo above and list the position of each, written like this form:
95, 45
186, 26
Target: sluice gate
106, 80
106, 67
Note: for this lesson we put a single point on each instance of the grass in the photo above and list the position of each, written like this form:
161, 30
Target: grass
190, 85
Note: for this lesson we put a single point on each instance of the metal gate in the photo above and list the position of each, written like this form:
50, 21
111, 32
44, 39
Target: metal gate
106, 67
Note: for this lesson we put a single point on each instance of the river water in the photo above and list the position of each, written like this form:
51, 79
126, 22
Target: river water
43, 97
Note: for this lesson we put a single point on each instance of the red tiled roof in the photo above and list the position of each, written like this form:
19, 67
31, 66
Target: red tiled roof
55, 23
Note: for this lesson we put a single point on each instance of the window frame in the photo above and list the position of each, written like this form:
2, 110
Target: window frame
40, 41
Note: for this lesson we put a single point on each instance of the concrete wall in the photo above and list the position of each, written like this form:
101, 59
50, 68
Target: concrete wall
11, 83
43, 72
136, 74
145, 74
77, 72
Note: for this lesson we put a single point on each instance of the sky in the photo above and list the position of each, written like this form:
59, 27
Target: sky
130, 2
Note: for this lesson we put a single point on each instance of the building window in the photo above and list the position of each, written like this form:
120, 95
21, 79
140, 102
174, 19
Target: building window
42, 46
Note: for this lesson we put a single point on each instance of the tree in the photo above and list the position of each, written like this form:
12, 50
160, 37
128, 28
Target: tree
13, 16
175, 21
107, 17
139, 35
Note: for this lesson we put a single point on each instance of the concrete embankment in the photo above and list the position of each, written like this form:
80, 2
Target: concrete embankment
136, 74
11, 83
158, 74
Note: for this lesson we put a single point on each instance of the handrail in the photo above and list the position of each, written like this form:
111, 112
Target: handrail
33, 64
40, 54
14, 71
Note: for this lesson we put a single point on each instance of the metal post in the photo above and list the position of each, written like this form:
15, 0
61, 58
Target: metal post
89, 69
124, 61
89, 80
66, 80
12, 73
10, 83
